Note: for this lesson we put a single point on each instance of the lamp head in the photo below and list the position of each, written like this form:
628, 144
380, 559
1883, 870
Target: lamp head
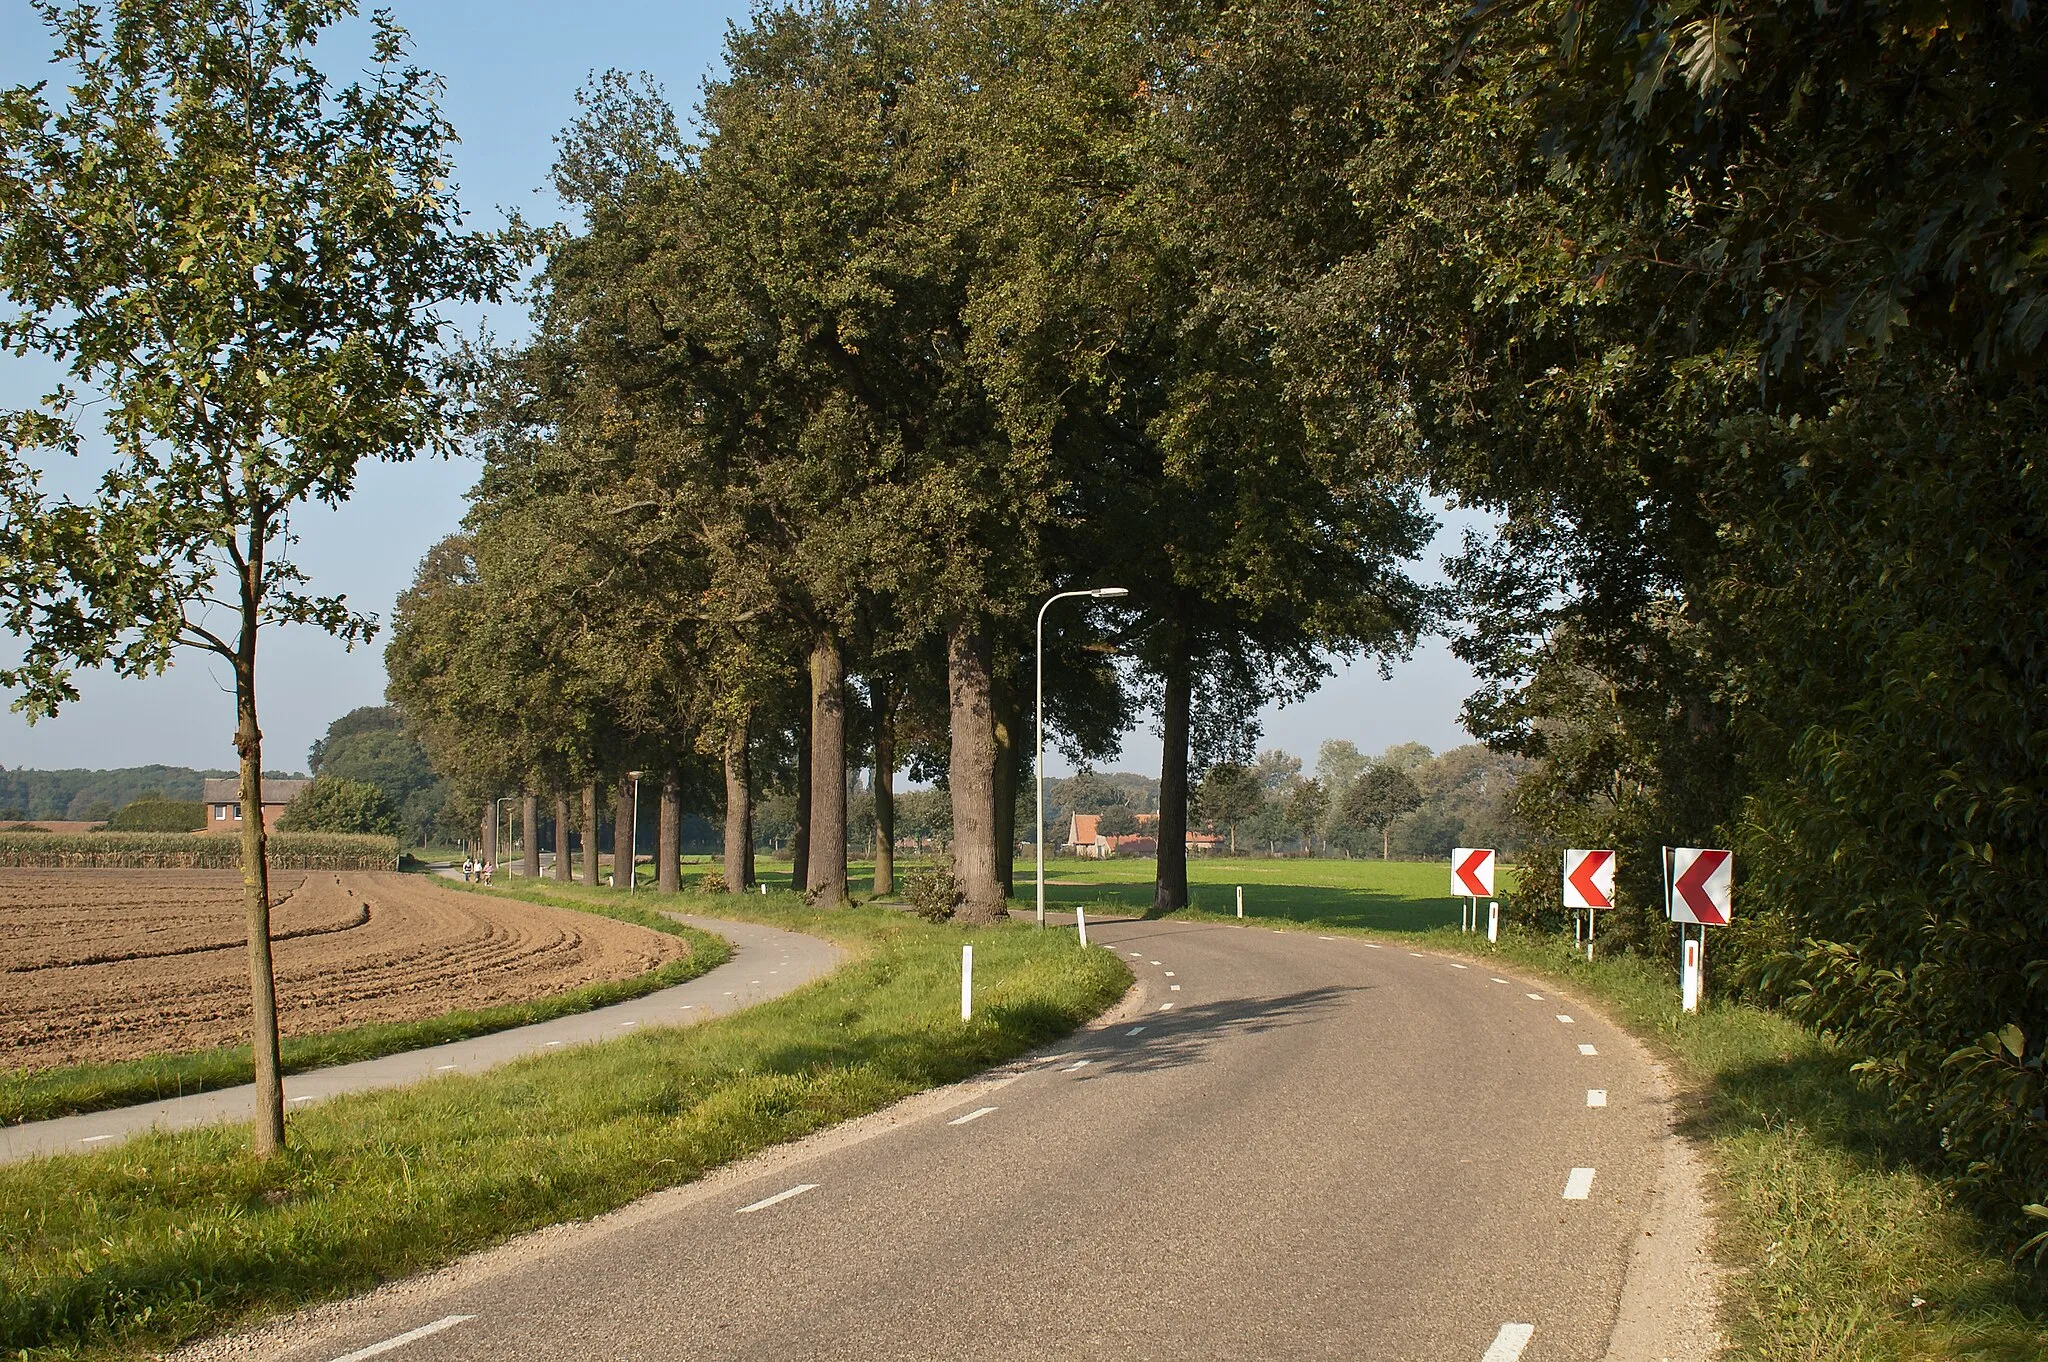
1105, 592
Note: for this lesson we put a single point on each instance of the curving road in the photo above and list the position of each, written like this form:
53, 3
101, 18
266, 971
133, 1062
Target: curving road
1285, 1147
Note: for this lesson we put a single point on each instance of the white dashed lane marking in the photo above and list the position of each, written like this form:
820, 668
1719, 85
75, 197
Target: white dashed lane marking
1173, 988
1579, 1185
444, 1068
1082, 1064
1563, 1018
1509, 1342
1166, 1007
1455, 965
1535, 997
1496, 980
95, 1139
1596, 1097
1587, 1050
410, 1336
765, 1202
1134, 1030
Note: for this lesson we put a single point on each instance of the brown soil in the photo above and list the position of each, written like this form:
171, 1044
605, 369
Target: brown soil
100, 965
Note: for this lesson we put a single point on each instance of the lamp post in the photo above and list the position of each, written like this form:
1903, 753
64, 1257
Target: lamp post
1038, 676
633, 838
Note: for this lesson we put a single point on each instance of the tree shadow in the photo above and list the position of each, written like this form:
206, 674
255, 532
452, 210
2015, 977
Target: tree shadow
1189, 1033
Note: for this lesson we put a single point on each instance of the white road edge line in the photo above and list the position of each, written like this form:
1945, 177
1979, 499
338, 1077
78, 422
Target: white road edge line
1588, 1050
1596, 1097
974, 1115
1509, 1342
1579, 1185
409, 1336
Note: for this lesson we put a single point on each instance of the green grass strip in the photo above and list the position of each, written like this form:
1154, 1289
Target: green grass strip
168, 1237
39, 1095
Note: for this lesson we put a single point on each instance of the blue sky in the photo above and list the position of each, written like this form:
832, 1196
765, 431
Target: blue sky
512, 68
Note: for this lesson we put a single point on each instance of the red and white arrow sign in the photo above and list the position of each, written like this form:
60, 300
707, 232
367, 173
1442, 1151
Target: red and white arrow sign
1472, 872
1702, 886
1589, 879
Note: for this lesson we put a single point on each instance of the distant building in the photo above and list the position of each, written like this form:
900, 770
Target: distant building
1085, 838
224, 805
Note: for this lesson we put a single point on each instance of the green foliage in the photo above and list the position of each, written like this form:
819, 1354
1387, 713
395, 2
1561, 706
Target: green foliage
1899, 844
371, 745
931, 890
67, 794
246, 267
159, 815
193, 851
333, 804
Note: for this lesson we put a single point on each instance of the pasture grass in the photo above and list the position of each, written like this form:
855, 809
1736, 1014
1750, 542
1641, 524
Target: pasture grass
41, 1094
1843, 1240
169, 1237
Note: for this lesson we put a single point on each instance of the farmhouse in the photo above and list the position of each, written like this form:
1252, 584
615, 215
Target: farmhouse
1085, 838
224, 806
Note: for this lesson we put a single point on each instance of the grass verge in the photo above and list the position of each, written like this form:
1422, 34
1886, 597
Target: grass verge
1845, 1243
39, 1095
168, 1237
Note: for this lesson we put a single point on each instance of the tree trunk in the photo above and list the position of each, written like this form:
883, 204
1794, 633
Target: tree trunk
590, 835
562, 838
885, 791
1004, 707
739, 814
268, 1103
971, 774
625, 826
825, 884
669, 852
529, 827
1170, 886
1386, 840
800, 840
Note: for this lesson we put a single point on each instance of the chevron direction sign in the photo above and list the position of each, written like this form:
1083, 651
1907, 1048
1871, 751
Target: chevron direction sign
1702, 886
1472, 872
1589, 879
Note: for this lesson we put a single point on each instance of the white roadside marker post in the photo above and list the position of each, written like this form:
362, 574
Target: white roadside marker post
1492, 921
1081, 923
966, 983
1240, 900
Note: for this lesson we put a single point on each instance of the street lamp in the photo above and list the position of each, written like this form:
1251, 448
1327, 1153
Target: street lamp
633, 838
1099, 593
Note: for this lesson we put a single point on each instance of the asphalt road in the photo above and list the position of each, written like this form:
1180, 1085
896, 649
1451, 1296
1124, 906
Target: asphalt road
1291, 1147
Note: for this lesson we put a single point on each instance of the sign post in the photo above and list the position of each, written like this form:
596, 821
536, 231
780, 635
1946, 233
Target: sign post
1700, 888
1589, 886
1472, 879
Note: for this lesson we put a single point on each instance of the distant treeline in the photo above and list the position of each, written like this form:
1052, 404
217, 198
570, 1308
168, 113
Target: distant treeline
95, 795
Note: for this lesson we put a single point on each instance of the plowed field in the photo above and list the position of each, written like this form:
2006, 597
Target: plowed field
99, 965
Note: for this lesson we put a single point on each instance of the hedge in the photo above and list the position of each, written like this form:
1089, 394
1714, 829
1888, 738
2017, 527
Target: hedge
193, 851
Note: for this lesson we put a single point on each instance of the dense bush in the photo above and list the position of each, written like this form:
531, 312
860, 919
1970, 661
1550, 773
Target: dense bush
190, 851
160, 815
333, 804
1896, 716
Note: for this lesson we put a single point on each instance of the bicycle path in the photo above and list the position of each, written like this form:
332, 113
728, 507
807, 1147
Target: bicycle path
766, 963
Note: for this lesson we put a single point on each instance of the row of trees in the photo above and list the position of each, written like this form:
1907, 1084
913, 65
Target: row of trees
821, 405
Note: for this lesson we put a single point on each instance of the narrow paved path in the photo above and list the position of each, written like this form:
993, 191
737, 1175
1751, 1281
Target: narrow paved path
766, 962
1288, 1147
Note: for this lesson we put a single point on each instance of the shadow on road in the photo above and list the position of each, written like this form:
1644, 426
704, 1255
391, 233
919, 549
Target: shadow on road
1189, 1033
